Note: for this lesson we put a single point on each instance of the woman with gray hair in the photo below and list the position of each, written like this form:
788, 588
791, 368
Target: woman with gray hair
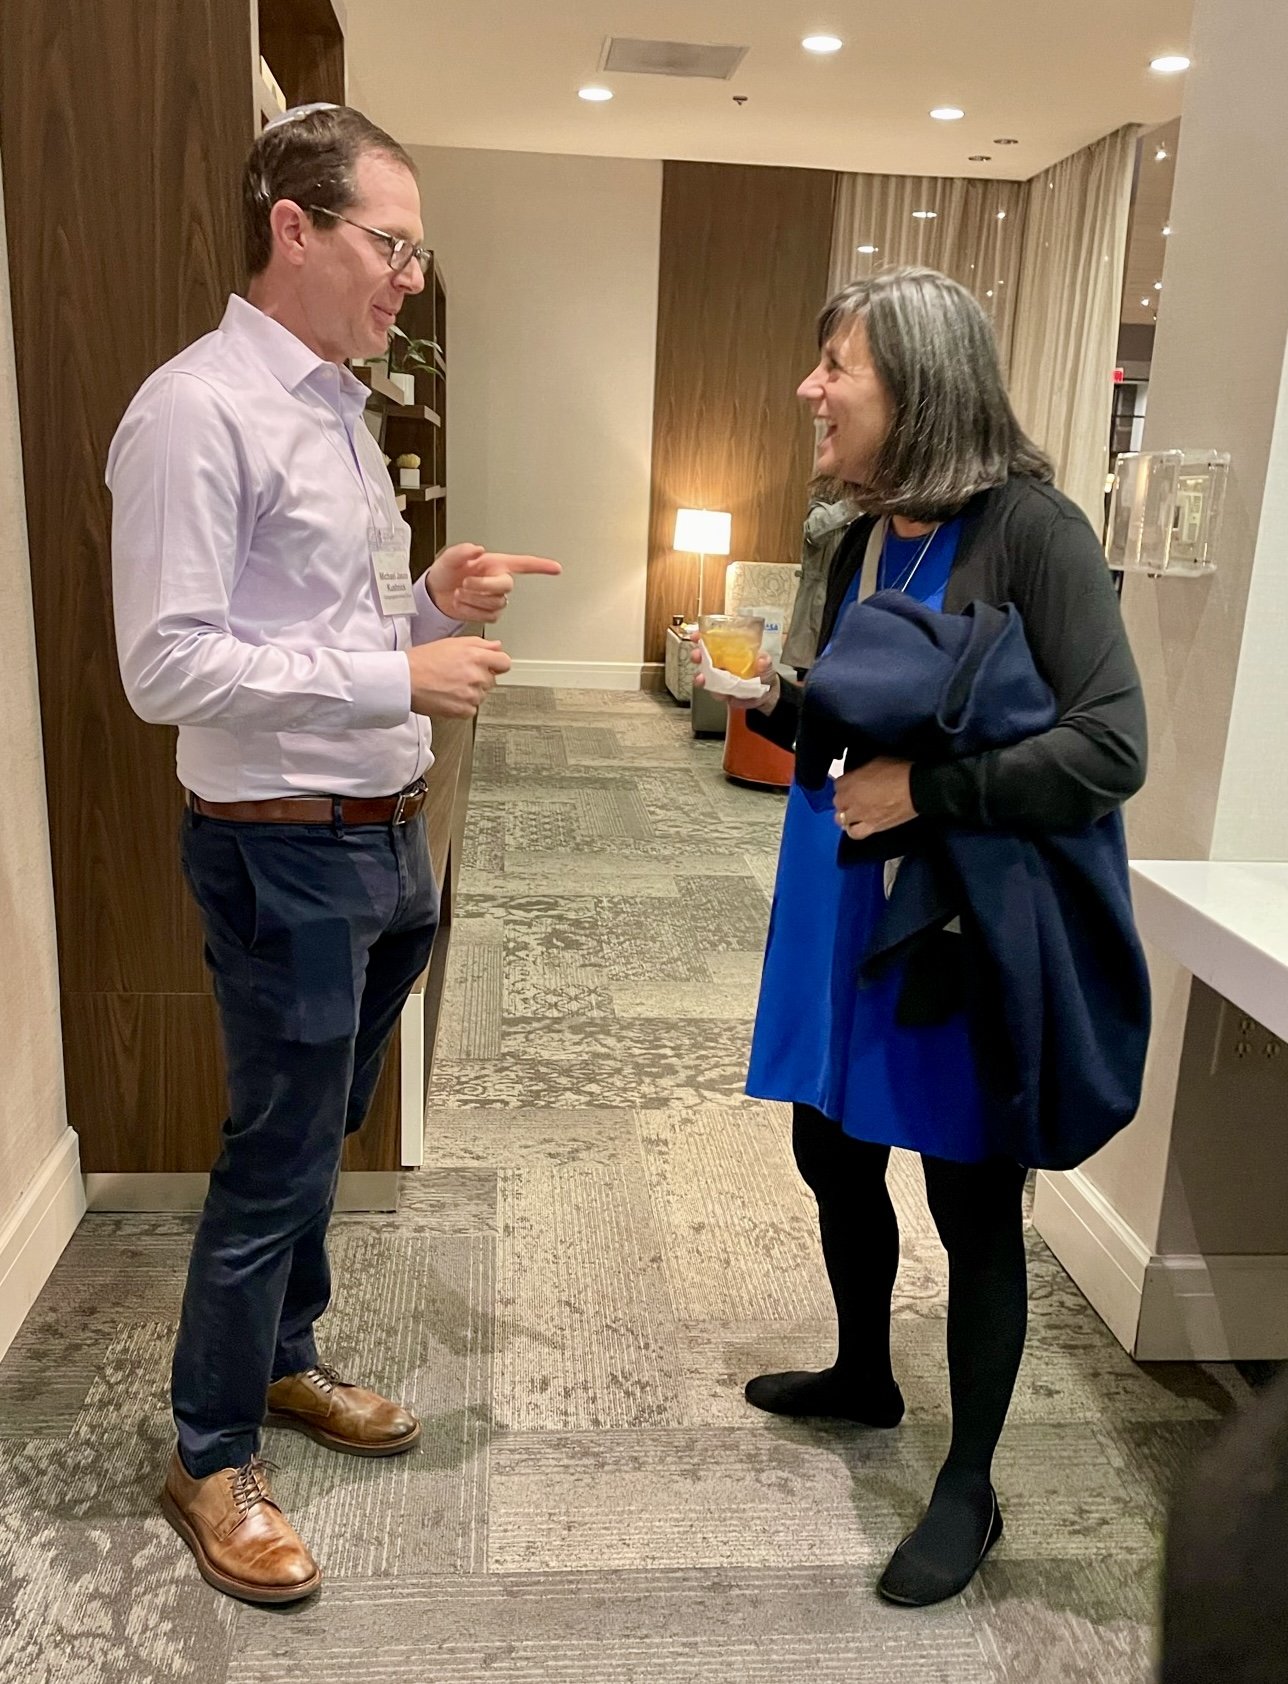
958, 513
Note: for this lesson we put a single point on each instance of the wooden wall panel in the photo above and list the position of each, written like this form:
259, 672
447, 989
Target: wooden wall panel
123, 126
744, 265
155, 1066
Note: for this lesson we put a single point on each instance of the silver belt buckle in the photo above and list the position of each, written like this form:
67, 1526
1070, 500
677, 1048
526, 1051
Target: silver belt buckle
408, 794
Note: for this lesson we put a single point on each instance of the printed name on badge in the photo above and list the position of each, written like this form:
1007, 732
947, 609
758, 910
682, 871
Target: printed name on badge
391, 558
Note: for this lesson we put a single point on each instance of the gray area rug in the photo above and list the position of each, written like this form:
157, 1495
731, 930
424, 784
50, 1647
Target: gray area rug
606, 1240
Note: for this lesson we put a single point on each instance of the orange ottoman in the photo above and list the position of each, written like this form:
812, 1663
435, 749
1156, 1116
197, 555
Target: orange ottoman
752, 760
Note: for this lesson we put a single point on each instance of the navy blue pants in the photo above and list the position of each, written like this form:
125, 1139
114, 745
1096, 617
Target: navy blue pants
314, 938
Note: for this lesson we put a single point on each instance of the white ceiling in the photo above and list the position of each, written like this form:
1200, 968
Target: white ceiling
504, 74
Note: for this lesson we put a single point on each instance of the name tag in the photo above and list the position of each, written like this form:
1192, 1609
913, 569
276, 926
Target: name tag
391, 559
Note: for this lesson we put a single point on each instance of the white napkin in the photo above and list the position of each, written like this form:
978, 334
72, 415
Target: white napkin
722, 683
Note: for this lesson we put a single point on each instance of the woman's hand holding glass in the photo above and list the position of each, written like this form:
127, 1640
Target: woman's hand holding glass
763, 670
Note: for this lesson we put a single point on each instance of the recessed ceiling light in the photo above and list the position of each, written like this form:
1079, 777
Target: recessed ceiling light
980, 158
1167, 230
1145, 302
868, 251
925, 216
822, 43
1003, 141
989, 293
1171, 64
596, 96
1158, 286
1160, 155
1001, 216
948, 113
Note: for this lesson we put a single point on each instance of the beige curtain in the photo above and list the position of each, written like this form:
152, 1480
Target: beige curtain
976, 235
1070, 297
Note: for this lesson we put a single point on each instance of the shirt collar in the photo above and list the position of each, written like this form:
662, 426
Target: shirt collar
291, 361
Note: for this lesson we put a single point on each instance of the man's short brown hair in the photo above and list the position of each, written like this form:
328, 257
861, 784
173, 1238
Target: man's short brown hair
310, 160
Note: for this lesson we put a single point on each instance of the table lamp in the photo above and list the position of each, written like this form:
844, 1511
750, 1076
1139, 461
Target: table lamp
702, 532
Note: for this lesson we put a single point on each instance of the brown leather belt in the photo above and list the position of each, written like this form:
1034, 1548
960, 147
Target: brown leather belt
319, 809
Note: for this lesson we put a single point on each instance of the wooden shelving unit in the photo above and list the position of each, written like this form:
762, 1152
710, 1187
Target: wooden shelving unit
420, 429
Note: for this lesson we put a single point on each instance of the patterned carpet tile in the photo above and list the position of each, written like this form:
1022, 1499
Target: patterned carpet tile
791, 1626
105, 1598
669, 1000
693, 1497
553, 874
585, 1340
108, 1278
1154, 1457
442, 1201
484, 846
557, 986
469, 1025
414, 1318
515, 701
737, 1227
602, 1063
1079, 1622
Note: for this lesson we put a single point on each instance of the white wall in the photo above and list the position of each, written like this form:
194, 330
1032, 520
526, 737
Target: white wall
551, 266
40, 1197
1202, 1174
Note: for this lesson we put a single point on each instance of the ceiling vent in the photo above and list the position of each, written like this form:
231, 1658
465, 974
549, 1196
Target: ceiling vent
670, 58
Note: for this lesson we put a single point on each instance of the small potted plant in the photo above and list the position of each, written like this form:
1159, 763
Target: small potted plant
409, 472
408, 353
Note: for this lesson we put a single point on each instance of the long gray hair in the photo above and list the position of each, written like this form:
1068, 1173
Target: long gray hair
954, 432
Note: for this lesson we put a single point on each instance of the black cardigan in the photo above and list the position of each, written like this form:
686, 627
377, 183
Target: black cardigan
1024, 543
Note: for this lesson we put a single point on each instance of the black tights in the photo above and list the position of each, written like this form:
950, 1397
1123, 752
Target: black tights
978, 1212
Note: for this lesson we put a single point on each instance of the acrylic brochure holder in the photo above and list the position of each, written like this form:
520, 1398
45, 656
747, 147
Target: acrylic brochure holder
1165, 512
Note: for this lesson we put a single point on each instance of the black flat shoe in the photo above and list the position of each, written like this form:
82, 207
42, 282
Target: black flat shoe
911, 1581
822, 1397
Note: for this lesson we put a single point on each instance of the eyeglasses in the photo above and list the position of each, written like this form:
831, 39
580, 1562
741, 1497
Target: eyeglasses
401, 252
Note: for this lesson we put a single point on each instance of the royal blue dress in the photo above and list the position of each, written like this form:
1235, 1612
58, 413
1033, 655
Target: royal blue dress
821, 1039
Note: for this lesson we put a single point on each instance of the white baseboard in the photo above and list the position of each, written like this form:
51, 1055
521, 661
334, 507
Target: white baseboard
34, 1237
577, 675
1179, 1308
1107, 1259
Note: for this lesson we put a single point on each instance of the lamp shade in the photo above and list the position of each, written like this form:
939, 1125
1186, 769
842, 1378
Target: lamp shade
702, 531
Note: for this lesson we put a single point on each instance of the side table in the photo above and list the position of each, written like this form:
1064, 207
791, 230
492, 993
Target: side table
709, 716
678, 668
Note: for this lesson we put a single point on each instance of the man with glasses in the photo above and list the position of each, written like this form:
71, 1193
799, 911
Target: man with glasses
264, 605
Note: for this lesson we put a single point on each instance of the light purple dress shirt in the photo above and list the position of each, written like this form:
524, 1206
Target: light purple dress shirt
246, 488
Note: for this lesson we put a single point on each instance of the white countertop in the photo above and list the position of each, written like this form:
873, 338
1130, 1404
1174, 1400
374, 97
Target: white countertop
1227, 922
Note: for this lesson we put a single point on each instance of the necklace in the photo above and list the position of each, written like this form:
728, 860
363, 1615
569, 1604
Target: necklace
917, 560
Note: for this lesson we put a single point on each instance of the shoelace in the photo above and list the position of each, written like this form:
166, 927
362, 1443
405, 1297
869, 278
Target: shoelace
248, 1484
325, 1377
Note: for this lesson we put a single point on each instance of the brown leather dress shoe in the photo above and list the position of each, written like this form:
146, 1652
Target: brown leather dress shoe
244, 1544
343, 1417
